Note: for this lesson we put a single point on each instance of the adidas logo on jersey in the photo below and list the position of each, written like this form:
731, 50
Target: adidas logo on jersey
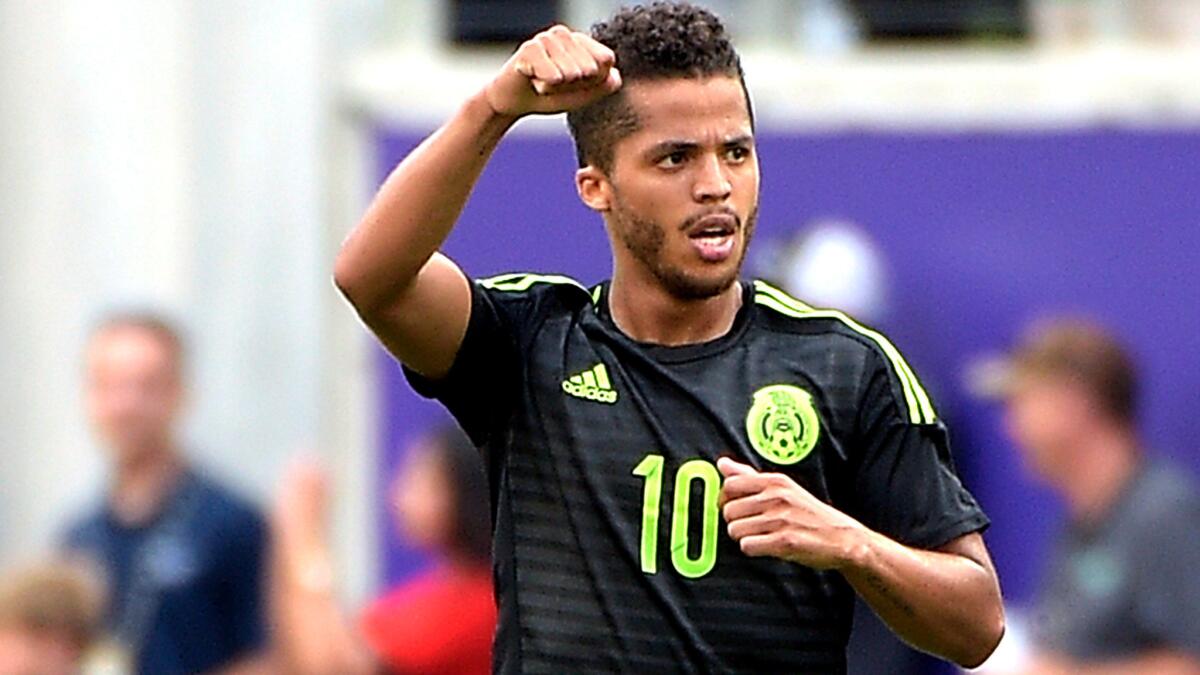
592, 384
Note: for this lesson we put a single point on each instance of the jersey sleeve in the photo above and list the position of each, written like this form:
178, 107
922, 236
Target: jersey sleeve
484, 382
906, 484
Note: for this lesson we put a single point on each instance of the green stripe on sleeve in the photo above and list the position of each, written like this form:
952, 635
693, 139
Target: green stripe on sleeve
523, 282
501, 278
920, 408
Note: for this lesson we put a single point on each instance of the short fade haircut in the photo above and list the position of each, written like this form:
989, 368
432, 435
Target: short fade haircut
659, 41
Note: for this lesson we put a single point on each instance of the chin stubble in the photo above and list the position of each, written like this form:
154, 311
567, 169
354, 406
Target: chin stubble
645, 240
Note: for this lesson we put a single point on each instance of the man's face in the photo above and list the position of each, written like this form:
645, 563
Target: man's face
132, 390
685, 184
1045, 417
424, 498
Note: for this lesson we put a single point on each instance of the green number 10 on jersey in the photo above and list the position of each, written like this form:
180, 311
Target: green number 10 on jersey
651, 469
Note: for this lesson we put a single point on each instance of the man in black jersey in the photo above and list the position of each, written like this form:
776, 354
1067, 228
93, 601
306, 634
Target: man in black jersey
691, 473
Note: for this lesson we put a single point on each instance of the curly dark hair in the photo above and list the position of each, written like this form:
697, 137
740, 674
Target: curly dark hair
662, 40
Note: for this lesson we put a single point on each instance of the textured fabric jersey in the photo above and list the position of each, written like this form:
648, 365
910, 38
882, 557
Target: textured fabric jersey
611, 554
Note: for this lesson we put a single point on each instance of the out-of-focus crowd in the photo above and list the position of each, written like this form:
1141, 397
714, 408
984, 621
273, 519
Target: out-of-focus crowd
171, 572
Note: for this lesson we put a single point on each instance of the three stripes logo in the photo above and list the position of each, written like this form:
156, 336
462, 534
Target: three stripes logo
592, 384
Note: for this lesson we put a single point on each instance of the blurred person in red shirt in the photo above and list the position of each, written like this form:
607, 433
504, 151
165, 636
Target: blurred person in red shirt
49, 615
440, 622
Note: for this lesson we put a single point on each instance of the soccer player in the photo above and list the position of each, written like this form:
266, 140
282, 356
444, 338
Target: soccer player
691, 472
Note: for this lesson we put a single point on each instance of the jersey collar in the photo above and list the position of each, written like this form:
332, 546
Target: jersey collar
680, 353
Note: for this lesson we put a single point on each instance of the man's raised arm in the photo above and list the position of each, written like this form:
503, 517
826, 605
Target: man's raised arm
416, 300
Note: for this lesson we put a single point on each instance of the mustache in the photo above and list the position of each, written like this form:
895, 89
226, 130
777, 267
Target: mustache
719, 211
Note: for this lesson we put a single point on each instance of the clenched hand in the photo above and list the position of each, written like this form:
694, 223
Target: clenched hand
557, 70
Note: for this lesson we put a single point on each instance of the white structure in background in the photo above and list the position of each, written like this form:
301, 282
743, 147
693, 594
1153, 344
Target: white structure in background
174, 153
835, 264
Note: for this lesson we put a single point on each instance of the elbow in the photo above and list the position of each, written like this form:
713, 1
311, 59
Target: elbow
349, 282
344, 277
371, 296
985, 640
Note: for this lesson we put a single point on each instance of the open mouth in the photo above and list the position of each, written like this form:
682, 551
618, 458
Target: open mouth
713, 236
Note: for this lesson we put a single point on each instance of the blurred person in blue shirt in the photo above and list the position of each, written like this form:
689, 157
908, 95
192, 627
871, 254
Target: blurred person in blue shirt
182, 557
1121, 594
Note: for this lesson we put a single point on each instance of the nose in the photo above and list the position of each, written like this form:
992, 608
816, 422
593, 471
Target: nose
712, 183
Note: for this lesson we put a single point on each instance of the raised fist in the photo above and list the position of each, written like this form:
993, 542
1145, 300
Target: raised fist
555, 71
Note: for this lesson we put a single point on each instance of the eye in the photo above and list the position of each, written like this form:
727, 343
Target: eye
737, 153
673, 160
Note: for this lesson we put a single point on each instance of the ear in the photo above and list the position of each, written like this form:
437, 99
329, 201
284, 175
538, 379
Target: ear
594, 188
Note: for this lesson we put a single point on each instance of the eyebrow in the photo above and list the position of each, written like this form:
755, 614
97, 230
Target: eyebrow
668, 147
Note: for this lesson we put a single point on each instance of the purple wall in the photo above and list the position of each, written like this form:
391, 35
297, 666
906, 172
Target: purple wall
982, 232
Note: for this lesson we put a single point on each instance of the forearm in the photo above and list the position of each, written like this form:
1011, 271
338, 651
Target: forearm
946, 602
321, 643
943, 603
414, 211
313, 637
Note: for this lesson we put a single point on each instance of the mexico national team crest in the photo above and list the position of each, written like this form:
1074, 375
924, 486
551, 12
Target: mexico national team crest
782, 423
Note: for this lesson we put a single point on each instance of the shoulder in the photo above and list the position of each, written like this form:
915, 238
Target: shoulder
84, 529
784, 313
1166, 498
842, 335
1160, 527
227, 510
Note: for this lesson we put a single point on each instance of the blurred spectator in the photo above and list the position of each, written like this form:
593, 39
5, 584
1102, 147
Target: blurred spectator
1122, 593
181, 556
48, 618
441, 622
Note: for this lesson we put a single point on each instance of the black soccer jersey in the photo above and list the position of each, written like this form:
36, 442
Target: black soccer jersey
611, 554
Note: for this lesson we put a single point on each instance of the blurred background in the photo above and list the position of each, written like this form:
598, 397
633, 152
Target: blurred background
947, 171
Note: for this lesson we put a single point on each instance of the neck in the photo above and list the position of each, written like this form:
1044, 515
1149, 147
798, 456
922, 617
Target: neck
141, 486
646, 312
1111, 460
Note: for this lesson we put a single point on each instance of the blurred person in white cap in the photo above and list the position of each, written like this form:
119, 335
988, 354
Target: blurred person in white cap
49, 614
182, 557
1121, 593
